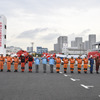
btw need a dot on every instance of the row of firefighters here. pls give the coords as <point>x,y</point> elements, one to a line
<point>51,63</point>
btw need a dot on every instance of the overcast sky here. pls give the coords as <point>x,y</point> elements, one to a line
<point>43,21</point>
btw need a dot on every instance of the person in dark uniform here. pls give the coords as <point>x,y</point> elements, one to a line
<point>97,60</point>
<point>91,64</point>
<point>30,62</point>
<point>23,63</point>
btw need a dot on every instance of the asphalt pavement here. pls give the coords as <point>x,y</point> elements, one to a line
<point>48,86</point>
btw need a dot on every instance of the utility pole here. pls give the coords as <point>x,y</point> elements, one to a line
<point>32,46</point>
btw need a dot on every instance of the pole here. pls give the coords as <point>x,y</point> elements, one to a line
<point>32,46</point>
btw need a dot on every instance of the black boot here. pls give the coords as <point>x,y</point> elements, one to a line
<point>72,72</point>
<point>97,72</point>
<point>64,71</point>
<point>1,70</point>
<point>7,70</point>
<point>85,72</point>
<point>91,72</point>
<point>79,72</point>
<point>57,71</point>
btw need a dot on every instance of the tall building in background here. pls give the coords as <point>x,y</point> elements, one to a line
<point>61,40</point>
<point>56,47</point>
<point>78,41</point>
<point>29,49</point>
<point>92,40</point>
<point>3,28</point>
<point>86,45</point>
<point>41,50</point>
<point>73,43</point>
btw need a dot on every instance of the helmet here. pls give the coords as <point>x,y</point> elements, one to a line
<point>15,55</point>
<point>8,54</point>
<point>44,55</point>
<point>51,55</point>
<point>36,55</point>
<point>30,53</point>
<point>22,54</point>
<point>91,56</point>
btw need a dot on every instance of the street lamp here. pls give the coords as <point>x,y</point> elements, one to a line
<point>32,46</point>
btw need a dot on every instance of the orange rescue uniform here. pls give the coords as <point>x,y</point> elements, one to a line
<point>58,62</point>
<point>72,62</point>
<point>85,64</point>
<point>79,64</point>
<point>2,60</point>
<point>16,62</point>
<point>65,64</point>
<point>9,61</point>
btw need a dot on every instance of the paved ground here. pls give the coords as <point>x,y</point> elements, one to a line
<point>47,86</point>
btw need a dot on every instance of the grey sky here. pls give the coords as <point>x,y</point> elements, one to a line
<point>27,18</point>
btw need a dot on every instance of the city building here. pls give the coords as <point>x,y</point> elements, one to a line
<point>56,47</point>
<point>73,43</point>
<point>86,45</point>
<point>97,44</point>
<point>41,50</point>
<point>92,40</point>
<point>29,49</point>
<point>64,49</point>
<point>78,41</point>
<point>75,51</point>
<point>12,49</point>
<point>3,28</point>
<point>61,40</point>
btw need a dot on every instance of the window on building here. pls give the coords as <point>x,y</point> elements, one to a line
<point>5,27</point>
<point>5,36</point>
<point>5,46</point>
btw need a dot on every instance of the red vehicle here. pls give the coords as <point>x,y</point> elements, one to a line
<point>48,55</point>
<point>94,54</point>
<point>19,53</point>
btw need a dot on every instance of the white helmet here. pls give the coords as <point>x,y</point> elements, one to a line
<point>22,54</point>
<point>15,55</point>
<point>91,56</point>
<point>51,55</point>
<point>44,55</point>
<point>30,53</point>
<point>8,54</point>
<point>36,55</point>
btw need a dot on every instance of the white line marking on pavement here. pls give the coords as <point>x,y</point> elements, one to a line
<point>66,75</point>
<point>86,87</point>
<point>75,79</point>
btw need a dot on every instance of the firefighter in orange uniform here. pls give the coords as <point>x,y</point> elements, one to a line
<point>65,64</point>
<point>72,62</point>
<point>79,64</point>
<point>58,62</point>
<point>85,64</point>
<point>9,61</point>
<point>2,60</point>
<point>23,61</point>
<point>16,62</point>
